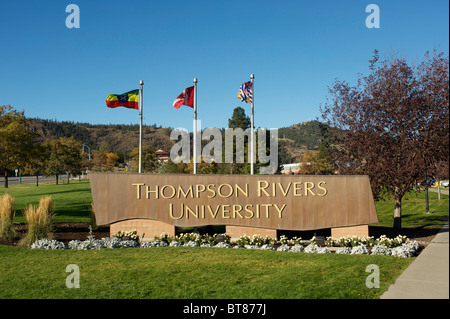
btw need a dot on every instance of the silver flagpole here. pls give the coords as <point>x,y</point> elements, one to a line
<point>252,133</point>
<point>141,91</point>
<point>195,126</point>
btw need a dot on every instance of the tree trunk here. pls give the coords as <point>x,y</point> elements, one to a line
<point>56,179</point>
<point>37,180</point>
<point>398,210</point>
<point>6,178</point>
<point>68,176</point>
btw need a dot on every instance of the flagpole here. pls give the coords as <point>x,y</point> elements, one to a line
<point>252,77</point>
<point>195,126</point>
<point>141,91</point>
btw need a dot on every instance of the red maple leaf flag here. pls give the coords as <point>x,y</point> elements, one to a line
<point>185,98</point>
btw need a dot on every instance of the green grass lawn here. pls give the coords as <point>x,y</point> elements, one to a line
<point>192,273</point>
<point>72,201</point>
<point>413,209</point>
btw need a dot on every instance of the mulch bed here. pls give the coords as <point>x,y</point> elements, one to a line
<point>66,232</point>
<point>63,232</point>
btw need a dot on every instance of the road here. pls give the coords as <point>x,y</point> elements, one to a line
<point>443,190</point>
<point>12,180</point>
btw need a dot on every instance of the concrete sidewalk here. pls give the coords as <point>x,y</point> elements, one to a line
<point>428,275</point>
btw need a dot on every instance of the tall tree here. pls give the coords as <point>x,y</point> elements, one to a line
<point>238,120</point>
<point>150,162</point>
<point>63,156</point>
<point>35,164</point>
<point>104,160</point>
<point>17,141</point>
<point>315,163</point>
<point>393,124</point>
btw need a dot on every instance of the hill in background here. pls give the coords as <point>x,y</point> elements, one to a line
<point>294,140</point>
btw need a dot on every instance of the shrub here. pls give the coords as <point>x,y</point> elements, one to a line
<point>311,248</point>
<point>190,244</point>
<point>283,247</point>
<point>188,237</point>
<point>39,220</point>
<point>406,250</point>
<point>223,245</point>
<point>344,250</point>
<point>7,214</point>
<point>381,250</point>
<point>267,247</point>
<point>359,250</point>
<point>175,243</point>
<point>47,244</point>
<point>297,248</point>
<point>132,234</point>
<point>154,243</point>
<point>323,250</point>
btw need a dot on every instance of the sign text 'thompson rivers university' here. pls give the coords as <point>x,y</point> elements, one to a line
<point>268,201</point>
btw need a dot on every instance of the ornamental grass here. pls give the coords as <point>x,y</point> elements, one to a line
<point>39,220</point>
<point>7,214</point>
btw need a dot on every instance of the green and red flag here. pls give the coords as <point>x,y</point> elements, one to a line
<point>129,100</point>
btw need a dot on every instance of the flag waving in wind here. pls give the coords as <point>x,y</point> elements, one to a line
<point>129,100</point>
<point>185,98</point>
<point>246,92</point>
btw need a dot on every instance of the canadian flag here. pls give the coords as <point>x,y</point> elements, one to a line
<point>185,98</point>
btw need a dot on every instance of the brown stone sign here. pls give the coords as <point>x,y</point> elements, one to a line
<point>287,202</point>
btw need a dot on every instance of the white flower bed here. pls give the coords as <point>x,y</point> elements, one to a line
<point>398,247</point>
<point>47,244</point>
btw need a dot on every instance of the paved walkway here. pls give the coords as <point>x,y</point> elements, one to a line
<point>428,275</point>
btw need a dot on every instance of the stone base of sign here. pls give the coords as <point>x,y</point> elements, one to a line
<point>360,231</point>
<point>237,231</point>
<point>146,228</point>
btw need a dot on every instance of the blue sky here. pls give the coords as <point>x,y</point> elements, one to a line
<point>295,49</point>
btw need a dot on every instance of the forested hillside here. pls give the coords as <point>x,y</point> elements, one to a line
<point>122,138</point>
<point>295,140</point>
<point>119,138</point>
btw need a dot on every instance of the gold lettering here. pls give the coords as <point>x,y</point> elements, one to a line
<point>262,189</point>
<point>325,191</point>
<point>225,211</point>
<point>257,211</point>
<point>203,211</point>
<point>249,211</point>
<point>185,194</point>
<point>297,187</point>
<point>215,212</point>
<point>173,191</point>
<point>219,190</point>
<point>199,189</point>
<point>267,209</point>
<point>285,192</point>
<point>171,212</point>
<point>138,189</point>
<point>211,190</point>
<point>280,210</point>
<point>308,188</point>
<point>238,188</point>
<point>189,210</point>
<point>236,210</point>
<point>156,191</point>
